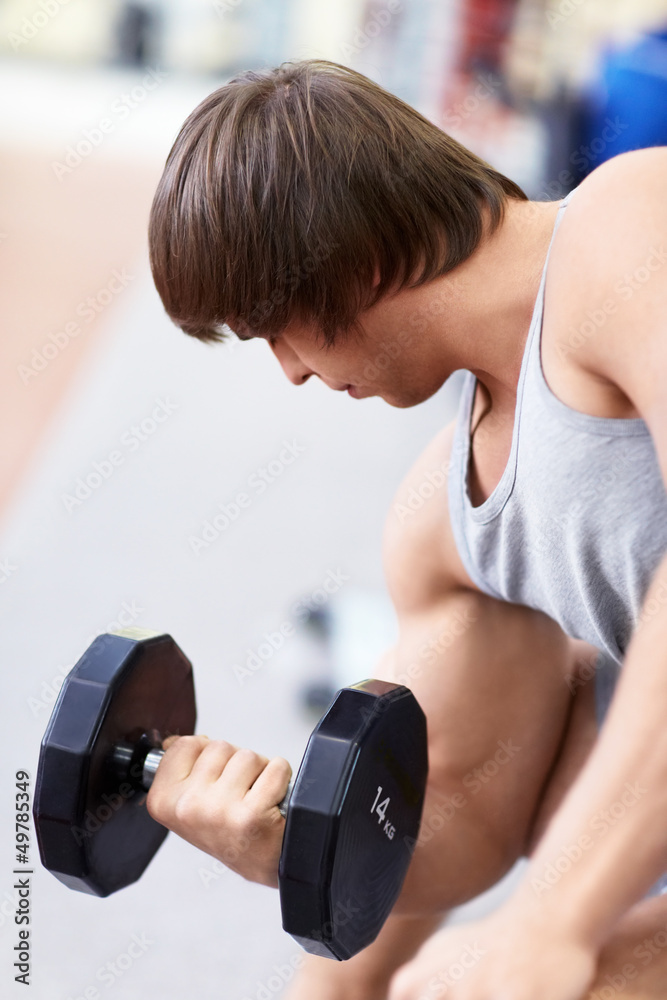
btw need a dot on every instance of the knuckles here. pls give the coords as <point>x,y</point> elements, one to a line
<point>188,810</point>
<point>208,811</point>
<point>283,765</point>
<point>244,821</point>
<point>185,742</point>
<point>194,810</point>
<point>250,757</point>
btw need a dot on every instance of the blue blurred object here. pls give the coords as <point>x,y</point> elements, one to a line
<point>627,108</point>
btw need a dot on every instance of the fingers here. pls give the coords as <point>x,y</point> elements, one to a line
<point>237,773</point>
<point>181,753</point>
<point>241,772</point>
<point>212,761</point>
<point>271,785</point>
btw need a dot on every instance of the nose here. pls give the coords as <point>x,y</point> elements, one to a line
<point>290,362</point>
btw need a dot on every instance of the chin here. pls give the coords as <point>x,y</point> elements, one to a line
<point>409,397</point>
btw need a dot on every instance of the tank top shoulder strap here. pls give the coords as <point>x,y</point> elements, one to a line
<point>536,383</point>
<point>460,507</point>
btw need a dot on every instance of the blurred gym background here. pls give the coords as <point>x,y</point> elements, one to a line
<point>92,93</point>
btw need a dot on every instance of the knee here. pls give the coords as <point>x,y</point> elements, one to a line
<point>633,962</point>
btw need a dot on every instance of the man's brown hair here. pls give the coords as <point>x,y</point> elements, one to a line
<point>306,193</point>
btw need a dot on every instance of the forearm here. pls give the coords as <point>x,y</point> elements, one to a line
<point>607,844</point>
<point>367,975</point>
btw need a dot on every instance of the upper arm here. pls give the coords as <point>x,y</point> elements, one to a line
<point>434,596</point>
<point>609,283</point>
<point>421,561</point>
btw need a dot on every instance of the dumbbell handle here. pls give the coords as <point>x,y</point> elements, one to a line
<point>123,755</point>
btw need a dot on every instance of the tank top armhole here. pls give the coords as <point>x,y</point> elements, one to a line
<point>457,483</point>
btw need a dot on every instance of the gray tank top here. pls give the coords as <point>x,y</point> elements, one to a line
<point>578,522</point>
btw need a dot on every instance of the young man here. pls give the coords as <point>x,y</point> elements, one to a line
<point>309,207</point>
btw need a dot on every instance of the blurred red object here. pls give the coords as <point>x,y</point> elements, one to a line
<point>484,31</point>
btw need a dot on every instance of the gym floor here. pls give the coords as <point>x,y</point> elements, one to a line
<point>86,543</point>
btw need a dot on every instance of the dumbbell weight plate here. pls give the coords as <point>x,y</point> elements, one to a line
<point>353,819</point>
<point>94,831</point>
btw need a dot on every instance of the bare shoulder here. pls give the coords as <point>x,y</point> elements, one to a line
<point>421,559</point>
<point>630,180</point>
<point>616,216</point>
<point>605,257</point>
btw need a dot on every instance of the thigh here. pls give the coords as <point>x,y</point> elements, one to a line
<point>492,679</point>
<point>579,737</point>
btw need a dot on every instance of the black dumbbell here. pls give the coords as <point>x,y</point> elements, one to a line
<point>352,814</point>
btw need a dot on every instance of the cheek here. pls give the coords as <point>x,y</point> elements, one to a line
<point>381,367</point>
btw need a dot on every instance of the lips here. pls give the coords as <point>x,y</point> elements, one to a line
<point>345,388</point>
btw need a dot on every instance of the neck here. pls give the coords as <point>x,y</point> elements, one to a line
<point>493,296</point>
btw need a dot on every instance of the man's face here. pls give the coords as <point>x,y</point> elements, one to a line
<point>393,355</point>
